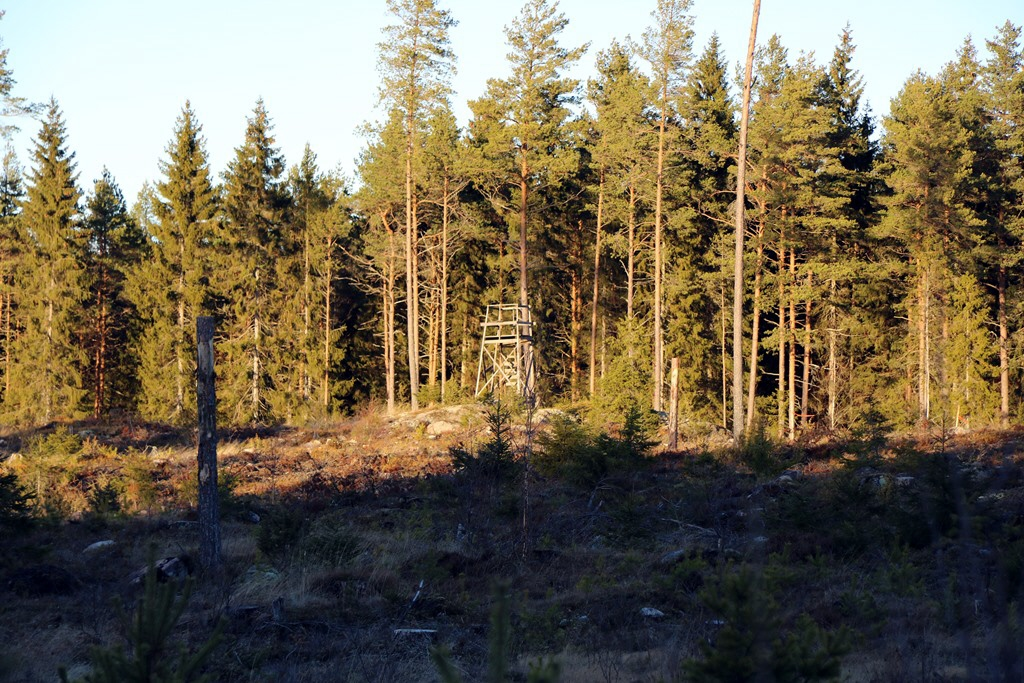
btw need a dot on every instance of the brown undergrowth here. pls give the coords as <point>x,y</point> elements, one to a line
<point>352,548</point>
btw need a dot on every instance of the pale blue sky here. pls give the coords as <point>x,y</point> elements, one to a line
<point>122,69</point>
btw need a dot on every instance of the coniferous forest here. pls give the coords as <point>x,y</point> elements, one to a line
<point>367,517</point>
<point>882,253</point>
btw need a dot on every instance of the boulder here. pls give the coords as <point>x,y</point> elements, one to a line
<point>176,568</point>
<point>441,427</point>
<point>651,613</point>
<point>98,546</point>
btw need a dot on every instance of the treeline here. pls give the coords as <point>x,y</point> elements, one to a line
<point>882,271</point>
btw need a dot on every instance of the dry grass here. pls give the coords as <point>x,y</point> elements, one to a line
<point>377,534</point>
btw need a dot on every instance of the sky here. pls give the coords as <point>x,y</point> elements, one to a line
<point>121,70</point>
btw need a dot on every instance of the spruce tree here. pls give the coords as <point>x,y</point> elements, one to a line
<point>694,276</point>
<point>12,242</point>
<point>256,240</point>
<point>115,245</point>
<point>47,364</point>
<point>171,288</point>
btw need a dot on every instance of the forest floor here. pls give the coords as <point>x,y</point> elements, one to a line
<point>351,550</point>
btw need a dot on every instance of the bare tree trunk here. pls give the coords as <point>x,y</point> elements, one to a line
<point>1004,354</point>
<point>329,263</point>
<point>524,299</point>
<point>781,389</point>
<point>209,511</point>
<point>464,361</point>
<point>631,253</point>
<point>833,361</point>
<point>444,290</point>
<point>755,333</point>
<point>389,318</point>
<point>657,370</point>
<point>923,388</point>
<point>738,425</point>
<point>725,366</point>
<point>806,380</point>
<point>179,347</point>
<point>792,344</point>
<point>597,273</point>
<point>7,343</point>
<point>256,367</point>
<point>412,323</point>
<point>673,406</point>
<point>307,297</point>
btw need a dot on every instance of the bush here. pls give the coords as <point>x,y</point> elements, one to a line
<point>495,460</point>
<point>149,659</point>
<point>329,541</point>
<point>15,513</point>
<point>751,643</point>
<point>574,452</point>
<point>279,529</point>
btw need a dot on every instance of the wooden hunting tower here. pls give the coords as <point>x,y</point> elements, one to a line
<point>506,350</point>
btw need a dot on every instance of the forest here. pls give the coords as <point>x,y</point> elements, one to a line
<point>881,255</point>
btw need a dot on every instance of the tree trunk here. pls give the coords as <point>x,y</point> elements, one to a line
<point>179,347</point>
<point>792,344</point>
<point>329,264</point>
<point>780,393</point>
<point>597,272</point>
<point>738,425</point>
<point>389,317</point>
<point>673,406</point>
<point>206,403</point>
<point>725,366</point>
<point>806,380</point>
<point>922,343</point>
<point>658,371</point>
<point>307,296</point>
<point>755,333</point>
<point>524,300</point>
<point>833,361</point>
<point>631,254</point>
<point>412,323</point>
<point>1004,354</point>
<point>444,290</point>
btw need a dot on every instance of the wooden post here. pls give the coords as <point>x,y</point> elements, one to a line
<point>673,407</point>
<point>209,513</point>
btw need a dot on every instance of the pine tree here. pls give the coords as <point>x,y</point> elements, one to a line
<point>1004,88</point>
<point>171,288</point>
<point>417,64</point>
<point>932,209</point>
<point>667,48</point>
<point>10,105</point>
<point>445,177</point>
<point>46,380</point>
<point>256,241</point>
<point>115,244</point>
<point>521,126</point>
<point>380,201</point>
<point>619,154</point>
